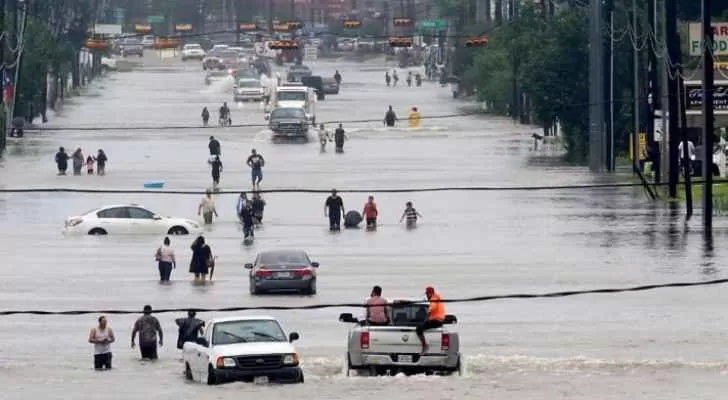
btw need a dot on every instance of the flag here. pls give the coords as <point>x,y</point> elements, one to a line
<point>8,87</point>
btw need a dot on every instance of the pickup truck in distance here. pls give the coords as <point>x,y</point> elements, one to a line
<point>394,348</point>
<point>248,348</point>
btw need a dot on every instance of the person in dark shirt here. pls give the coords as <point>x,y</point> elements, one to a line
<point>337,77</point>
<point>190,329</point>
<point>339,137</point>
<point>248,221</point>
<point>334,209</point>
<point>62,161</point>
<point>147,326</point>
<point>390,117</point>
<point>258,207</point>
<point>256,163</point>
<point>214,146</point>
<point>216,164</point>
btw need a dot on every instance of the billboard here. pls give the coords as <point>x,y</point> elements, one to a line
<point>107,29</point>
<point>720,38</point>
<point>694,96</point>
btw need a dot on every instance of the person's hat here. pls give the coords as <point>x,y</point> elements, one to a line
<point>429,289</point>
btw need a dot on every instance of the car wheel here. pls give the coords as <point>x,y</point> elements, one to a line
<point>177,230</point>
<point>211,377</point>
<point>97,231</point>
<point>311,290</point>
<point>253,290</point>
<point>188,372</point>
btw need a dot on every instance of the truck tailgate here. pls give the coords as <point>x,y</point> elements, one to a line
<point>402,340</point>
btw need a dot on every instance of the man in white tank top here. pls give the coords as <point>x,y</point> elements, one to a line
<point>102,336</point>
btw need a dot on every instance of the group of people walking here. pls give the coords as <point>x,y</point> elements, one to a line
<point>202,263</point>
<point>390,118</point>
<point>334,210</point>
<point>93,164</point>
<point>393,79</point>
<point>255,161</point>
<point>148,330</point>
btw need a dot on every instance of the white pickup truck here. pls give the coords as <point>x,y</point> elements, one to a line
<point>380,350</point>
<point>249,349</point>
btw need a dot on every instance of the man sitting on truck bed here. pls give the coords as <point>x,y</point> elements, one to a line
<point>435,316</point>
<point>377,308</point>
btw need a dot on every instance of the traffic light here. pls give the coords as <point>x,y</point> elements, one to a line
<point>248,27</point>
<point>283,45</point>
<point>478,41</point>
<point>161,43</point>
<point>400,41</point>
<point>402,22</point>
<point>352,24</point>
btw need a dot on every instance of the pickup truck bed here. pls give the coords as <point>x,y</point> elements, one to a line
<point>390,349</point>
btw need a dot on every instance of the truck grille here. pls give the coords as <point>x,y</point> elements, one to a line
<point>289,129</point>
<point>267,361</point>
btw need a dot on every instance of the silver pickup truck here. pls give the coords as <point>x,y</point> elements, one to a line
<point>381,350</point>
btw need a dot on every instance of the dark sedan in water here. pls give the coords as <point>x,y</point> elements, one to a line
<point>330,86</point>
<point>283,270</point>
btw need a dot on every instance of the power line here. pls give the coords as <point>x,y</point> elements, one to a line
<point>359,305</point>
<point>393,190</point>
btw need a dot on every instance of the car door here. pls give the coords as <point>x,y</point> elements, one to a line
<point>114,220</point>
<point>142,221</point>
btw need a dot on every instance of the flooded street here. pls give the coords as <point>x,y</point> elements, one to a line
<point>612,346</point>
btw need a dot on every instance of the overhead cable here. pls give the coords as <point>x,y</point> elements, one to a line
<point>369,190</point>
<point>550,295</point>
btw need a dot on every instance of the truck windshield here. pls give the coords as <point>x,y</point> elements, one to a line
<point>291,96</point>
<point>247,331</point>
<point>288,113</point>
<point>408,314</point>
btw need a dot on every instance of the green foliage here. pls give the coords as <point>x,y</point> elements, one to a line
<point>42,51</point>
<point>546,61</point>
<point>449,8</point>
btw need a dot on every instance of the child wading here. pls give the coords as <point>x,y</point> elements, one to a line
<point>411,215</point>
<point>90,160</point>
<point>370,213</point>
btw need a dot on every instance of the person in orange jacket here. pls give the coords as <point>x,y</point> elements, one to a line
<point>370,213</point>
<point>435,316</point>
<point>414,118</point>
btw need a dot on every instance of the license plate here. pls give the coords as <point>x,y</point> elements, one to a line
<point>260,380</point>
<point>404,359</point>
<point>283,275</point>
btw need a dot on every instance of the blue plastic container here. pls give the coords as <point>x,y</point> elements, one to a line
<point>154,185</point>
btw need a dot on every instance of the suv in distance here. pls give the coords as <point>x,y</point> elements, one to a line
<point>248,89</point>
<point>131,47</point>
<point>288,123</point>
<point>394,348</point>
<point>192,51</point>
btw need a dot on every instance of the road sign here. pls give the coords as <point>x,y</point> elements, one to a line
<point>433,24</point>
<point>154,19</point>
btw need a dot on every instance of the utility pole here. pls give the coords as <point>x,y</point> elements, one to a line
<point>707,120</point>
<point>3,132</point>
<point>636,61</point>
<point>609,81</point>
<point>673,56</point>
<point>597,129</point>
<point>269,12</point>
<point>654,101</point>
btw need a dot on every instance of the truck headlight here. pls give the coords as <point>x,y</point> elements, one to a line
<point>290,359</point>
<point>225,362</point>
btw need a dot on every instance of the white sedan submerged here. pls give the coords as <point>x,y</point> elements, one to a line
<point>127,219</point>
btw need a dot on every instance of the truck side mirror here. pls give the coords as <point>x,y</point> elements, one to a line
<point>293,336</point>
<point>348,318</point>
<point>450,319</point>
<point>202,342</point>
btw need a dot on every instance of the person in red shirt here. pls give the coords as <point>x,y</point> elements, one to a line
<point>370,213</point>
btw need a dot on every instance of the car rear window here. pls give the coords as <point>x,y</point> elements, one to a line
<point>283,258</point>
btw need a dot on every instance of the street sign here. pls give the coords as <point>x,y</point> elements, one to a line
<point>433,24</point>
<point>155,19</point>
